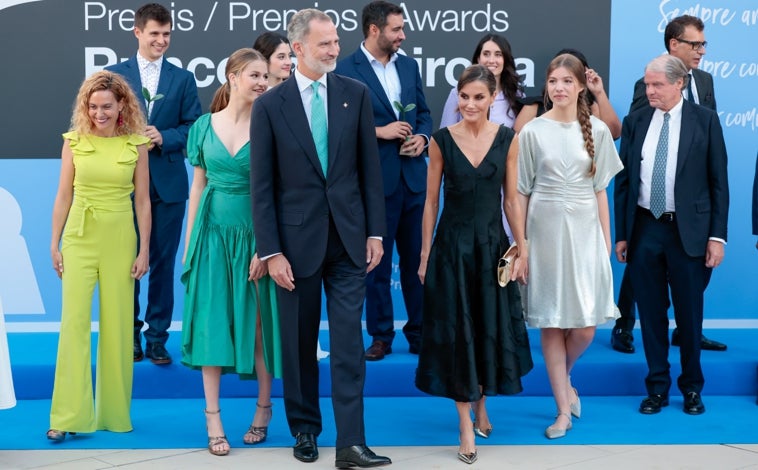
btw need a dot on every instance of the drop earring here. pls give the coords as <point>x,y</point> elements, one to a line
<point>120,119</point>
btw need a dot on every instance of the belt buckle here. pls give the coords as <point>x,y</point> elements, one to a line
<point>667,217</point>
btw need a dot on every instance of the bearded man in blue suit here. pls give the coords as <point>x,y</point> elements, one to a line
<point>169,120</point>
<point>402,137</point>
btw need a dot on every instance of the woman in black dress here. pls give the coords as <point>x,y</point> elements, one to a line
<point>474,339</point>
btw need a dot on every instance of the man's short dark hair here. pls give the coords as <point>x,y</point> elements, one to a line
<point>376,13</point>
<point>152,11</point>
<point>675,29</point>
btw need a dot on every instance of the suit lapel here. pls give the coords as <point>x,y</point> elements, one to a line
<point>132,75</point>
<point>164,87</point>
<point>337,104</point>
<point>686,133</point>
<point>366,71</point>
<point>293,113</point>
<point>642,127</point>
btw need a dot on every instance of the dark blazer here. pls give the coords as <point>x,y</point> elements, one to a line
<point>703,83</point>
<point>412,169</point>
<point>172,115</point>
<point>292,201</point>
<point>702,191</point>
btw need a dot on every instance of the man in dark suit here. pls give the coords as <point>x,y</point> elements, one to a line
<point>672,202</point>
<point>318,213</point>
<point>401,137</point>
<point>173,108</point>
<point>684,38</point>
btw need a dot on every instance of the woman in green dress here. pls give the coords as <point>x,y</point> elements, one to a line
<point>230,323</point>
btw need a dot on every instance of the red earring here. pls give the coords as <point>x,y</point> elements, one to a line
<point>120,120</point>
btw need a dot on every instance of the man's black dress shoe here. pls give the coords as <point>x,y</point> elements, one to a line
<point>622,341</point>
<point>653,404</point>
<point>693,404</point>
<point>305,449</point>
<point>359,456</point>
<point>705,343</point>
<point>157,354</point>
<point>138,354</point>
<point>378,350</point>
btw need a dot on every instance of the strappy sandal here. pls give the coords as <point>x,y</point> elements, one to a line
<point>214,441</point>
<point>57,436</point>
<point>257,434</point>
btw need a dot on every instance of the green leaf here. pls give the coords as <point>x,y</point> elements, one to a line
<point>145,94</point>
<point>159,96</point>
<point>409,107</point>
<point>398,106</point>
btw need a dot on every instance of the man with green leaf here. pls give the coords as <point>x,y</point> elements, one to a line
<point>171,106</point>
<point>404,124</point>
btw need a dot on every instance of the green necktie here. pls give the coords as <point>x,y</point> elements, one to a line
<point>318,127</point>
<point>658,180</point>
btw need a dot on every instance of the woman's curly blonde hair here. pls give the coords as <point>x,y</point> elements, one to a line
<point>132,118</point>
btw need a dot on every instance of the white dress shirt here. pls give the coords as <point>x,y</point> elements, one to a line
<point>388,78</point>
<point>648,156</point>
<point>149,75</point>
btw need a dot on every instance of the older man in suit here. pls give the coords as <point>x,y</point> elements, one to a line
<point>402,137</point>
<point>684,38</point>
<point>171,111</point>
<point>318,211</point>
<point>672,201</point>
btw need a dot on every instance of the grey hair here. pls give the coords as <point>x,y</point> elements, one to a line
<point>672,67</point>
<point>299,26</point>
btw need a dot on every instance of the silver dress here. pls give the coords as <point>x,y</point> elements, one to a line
<point>570,283</point>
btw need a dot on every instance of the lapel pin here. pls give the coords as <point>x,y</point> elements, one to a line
<point>344,105</point>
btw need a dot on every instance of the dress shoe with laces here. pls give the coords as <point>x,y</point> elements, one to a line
<point>138,354</point>
<point>359,456</point>
<point>622,341</point>
<point>378,350</point>
<point>693,404</point>
<point>705,343</point>
<point>653,404</point>
<point>157,354</point>
<point>306,449</point>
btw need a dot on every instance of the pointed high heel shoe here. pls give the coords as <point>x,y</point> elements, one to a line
<point>485,433</point>
<point>258,434</point>
<point>554,432</point>
<point>468,458</point>
<point>214,441</point>
<point>576,407</point>
<point>58,436</point>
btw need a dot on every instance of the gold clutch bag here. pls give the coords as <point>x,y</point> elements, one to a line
<point>505,265</point>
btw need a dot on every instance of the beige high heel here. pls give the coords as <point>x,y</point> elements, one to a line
<point>214,441</point>
<point>576,407</point>
<point>554,432</point>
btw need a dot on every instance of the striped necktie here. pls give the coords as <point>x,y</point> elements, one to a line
<point>658,181</point>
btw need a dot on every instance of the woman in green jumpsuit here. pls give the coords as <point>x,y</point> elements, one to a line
<point>103,162</point>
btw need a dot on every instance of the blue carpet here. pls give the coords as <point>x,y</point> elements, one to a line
<point>520,420</point>
<point>600,372</point>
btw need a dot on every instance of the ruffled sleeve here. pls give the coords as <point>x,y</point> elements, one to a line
<point>130,152</point>
<point>195,140</point>
<point>607,161</point>
<point>526,159</point>
<point>80,145</point>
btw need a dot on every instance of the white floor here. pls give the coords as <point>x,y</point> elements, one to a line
<point>722,457</point>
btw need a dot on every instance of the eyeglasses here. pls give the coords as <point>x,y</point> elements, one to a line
<point>696,45</point>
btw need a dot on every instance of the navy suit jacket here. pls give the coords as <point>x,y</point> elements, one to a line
<point>394,166</point>
<point>292,200</point>
<point>703,83</point>
<point>172,115</point>
<point>701,189</point>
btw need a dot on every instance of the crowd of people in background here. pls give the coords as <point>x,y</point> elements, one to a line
<point>309,177</point>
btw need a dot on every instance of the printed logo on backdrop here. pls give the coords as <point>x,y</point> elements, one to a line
<point>19,290</point>
<point>441,36</point>
<point>12,3</point>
